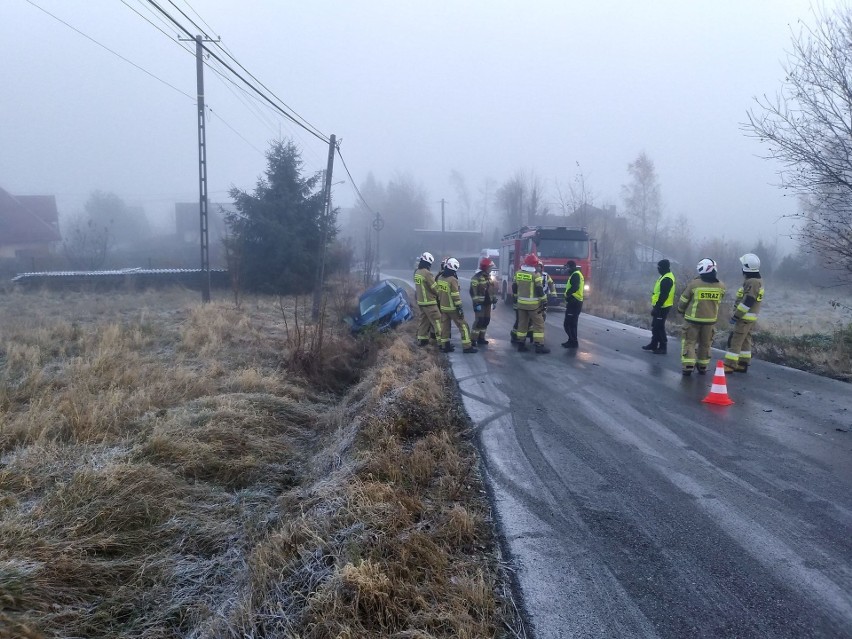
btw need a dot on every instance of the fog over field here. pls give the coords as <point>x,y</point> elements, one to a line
<point>550,89</point>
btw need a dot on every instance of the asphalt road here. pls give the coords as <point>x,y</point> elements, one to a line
<point>631,509</point>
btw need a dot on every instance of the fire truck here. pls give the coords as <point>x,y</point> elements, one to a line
<point>554,246</point>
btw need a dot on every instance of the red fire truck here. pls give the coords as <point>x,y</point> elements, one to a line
<point>554,246</point>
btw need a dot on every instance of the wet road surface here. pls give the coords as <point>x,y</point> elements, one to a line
<point>631,509</point>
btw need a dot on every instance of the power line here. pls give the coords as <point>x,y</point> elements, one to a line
<point>199,16</point>
<point>103,46</point>
<point>231,69</point>
<point>352,180</point>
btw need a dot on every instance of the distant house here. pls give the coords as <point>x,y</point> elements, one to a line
<point>188,221</point>
<point>29,225</point>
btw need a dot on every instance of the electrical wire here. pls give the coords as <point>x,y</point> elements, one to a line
<point>199,15</point>
<point>103,46</point>
<point>237,133</point>
<point>231,69</point>
<point>352,180</point>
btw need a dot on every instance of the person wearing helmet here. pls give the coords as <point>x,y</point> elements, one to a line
<point>662,299</point>
<point>573,303</point>
<point>747,306</point>
<point>450,302</point>
<point>529,288</point>
<point>547,283</point>
<point>483,292</point>
<point>427,300</point>
<point>699,305</point>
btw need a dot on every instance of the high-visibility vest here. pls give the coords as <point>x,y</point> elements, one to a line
<point>578,294</point>
<point>656,296</point>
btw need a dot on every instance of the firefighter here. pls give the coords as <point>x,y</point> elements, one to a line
<point>749,298</point>
<point>427,299</point>
<point>573,303</point>
<point>699,305</point>
<point>529,289</point>
<point>450,302</point>
<point>483,292</point>
<point>662,299</point>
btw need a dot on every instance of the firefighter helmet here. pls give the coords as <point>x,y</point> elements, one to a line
<point>531,260</point>
<point>706,266</point>
<point>485,264</point>
<point>750,262</point>
<point>427,257</point>
<point>452,264</point>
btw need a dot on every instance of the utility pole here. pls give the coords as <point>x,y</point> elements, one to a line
<point>318,288</point>
<point>443,241</point>
<point>378,225</point>
<point>202,168</point>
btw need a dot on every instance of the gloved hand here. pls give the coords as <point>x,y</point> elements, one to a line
<point>478,308</point>
<point>732,321</point>
<point>460,311</point>
<point>654,311</point>
<point>493,306</point>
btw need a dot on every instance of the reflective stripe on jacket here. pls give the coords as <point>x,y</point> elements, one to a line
<point>669,301</point>
<point>529,290</point>
<point>448,294</point>
<point>752,289</point>
<point>580,281</point>
<point>699,302</point>
<point>424,287</point>
<point>482,288</point>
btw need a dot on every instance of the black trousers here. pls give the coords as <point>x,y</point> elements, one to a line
<point>573,307</point>
<point>658,329</point>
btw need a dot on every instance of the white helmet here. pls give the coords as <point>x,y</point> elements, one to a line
<point>427,257</point>
<point>453,264</point>
<point>706,266</point>
<point>750,262</point>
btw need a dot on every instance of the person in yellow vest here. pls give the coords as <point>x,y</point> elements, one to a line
<point>427,300</point>
<point>749,298</point>
<point>699,305</point>
<point>483,292</point>
<point>449,299</point>
<point>662,299</point>
<point>573,303</point>
<point>528,287</point>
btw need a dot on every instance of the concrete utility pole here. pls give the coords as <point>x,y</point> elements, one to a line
<point>202,168</point>
<point>318,288</point>
<point>443,241</point>
<point>378,225</point>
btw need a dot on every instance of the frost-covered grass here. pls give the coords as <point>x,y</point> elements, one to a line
<point>171,469</point>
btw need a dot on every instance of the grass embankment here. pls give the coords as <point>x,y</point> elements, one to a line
<point>175,470</point>
<point>802,330</point>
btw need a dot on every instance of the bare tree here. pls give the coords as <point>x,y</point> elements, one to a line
<point>577,199</point>
<point>464,221</point>
<point>86,243</point>
<point>642,198</point>
<point>807,126</point>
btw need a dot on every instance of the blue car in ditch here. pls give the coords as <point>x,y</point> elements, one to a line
<point>381,307</point>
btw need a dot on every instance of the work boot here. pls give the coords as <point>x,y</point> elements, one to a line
<point>687,371</point>
<point>702,370</point>
<point>541,349</point>
<point>522,347</point>
<point>742,367</point>
<point>729,369</point>
<point>573,344</point>
<point>470,349</point>
<point>566,344</point>
<point>649,347</point>
<point>481,341</point>
<point>423,342</point>
<point>660,350</point>
<point>514,338</point>
<point>448,348</point>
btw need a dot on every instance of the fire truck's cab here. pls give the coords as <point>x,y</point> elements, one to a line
<point>554,246</point>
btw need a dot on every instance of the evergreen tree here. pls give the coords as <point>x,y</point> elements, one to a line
<point>276,232</point>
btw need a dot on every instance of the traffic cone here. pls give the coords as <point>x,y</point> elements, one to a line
<point>719,390</point>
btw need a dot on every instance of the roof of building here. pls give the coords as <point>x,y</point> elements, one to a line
<point>28,219</point>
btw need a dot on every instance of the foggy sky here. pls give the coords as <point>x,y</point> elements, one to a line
<point>484,87</point>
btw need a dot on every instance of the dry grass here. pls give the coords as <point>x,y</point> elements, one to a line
<point>169,469</point>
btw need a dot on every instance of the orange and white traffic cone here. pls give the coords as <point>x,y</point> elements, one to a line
<point>719,390</point>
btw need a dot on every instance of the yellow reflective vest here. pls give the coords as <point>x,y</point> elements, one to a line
<point>578,294</point>
<point>669,301</point>
<point>528,288</point>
